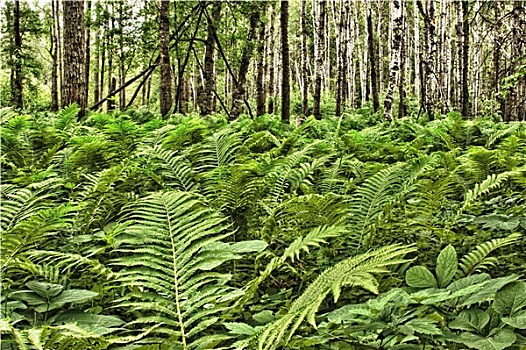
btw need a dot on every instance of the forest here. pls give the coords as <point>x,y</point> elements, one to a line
<point>263,175</point>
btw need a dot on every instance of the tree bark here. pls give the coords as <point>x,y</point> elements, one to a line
<point>54,60</point>
<point>318,53</point>
<point>403,54</point>
<point>465,60</point>
<point>74,87</point>
<point>304,60</point>
<point>285,61</point>
<point>372,60</point>
<point>247,51</point>
<point>16,73</point>
<point>88,53</point>
<point>260,74</point>
<point>96,69</point>
<point>394,60</point>
<point>272,68</point>
<point>165,88</point>
<point>209,77</point>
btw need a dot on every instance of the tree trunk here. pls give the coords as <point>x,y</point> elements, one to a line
<point>416,53</point>
<point>403,54</point>
<point>340,44</point>
<point>247,51</point>
<point>304,60</point>
<point>88,53</point>
<point>465,60</point>
<point>394,64</point>
<point>110,48</point>
<point>272,68</point>
<point>165,88</point>
<point>74,87</point>
<point>285,62</point>
<point>260,74</point>
<point>54,60</point>
<point>209,77</point>
<point>515,99</point>
<point>372,60</point>
<point>96,69</point>
<point>16,73</point>
<point>318,54</point>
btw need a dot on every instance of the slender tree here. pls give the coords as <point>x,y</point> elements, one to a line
<point>260,74</point>
<point>304,60</point>
<point>394,60</point>
<point>74,86</point>
<point>285,62</point>
<point>238,97</point>
<point>318,57</point>
<point>373,60</point>
<point>209,77</point>
<point>16,72</point>
<point>165,88</point>
<point>54,59</point>
<point>465,60</point>
<point>88,52</point>
<point>272,69</point>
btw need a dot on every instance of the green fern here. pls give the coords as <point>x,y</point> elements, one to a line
<point>167,257</point>
<point>478,258</point>
<point>491,183</point>
<point>356,271</point>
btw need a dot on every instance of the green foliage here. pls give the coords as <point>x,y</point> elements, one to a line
<point>128,231</point>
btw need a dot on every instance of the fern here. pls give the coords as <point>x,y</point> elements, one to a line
<point>356,271</point>
<point>492,183</point>
<point>219,149</point>
<point>167,255</point>
<point>478,258</point>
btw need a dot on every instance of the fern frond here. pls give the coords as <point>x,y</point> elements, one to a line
<point>172,167</point>
<point>478,258</point>
<point>491,183</point>
<point>218,149</point>
<point>355,271</point>
<point>495,136</point>
<point>168,253</point>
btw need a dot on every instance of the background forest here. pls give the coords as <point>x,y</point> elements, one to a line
<point>263,175</point>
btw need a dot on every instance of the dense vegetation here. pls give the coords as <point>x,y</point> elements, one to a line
<point>130,231</point>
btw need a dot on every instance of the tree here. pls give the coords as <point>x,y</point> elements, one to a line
<point>74,86</point>
<point>373,61</point>
<point>285,62</point>
<point>304,60</point>
<point>318,59</point>
<point>238,97</point>
<point>165,88</point>
<point>209,78</point>
<point>394,60</point>
<point>16,72</point>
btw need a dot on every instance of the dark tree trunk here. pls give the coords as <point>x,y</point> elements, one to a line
<point>16,73</point>
<point>271,72</point>
<point>285,61</point>
<point>319,53</point>
<point>74,87</point>
<point>260,76</point>
<point>373,62</point>
<point>304,61</point>
<point>207,106</point>
<point>403,53</point>
<point>238,97</point>
<point>96,69</point>
<point>165,88</point>
<point>88,53</point>
<point>465,60</point>
<point>110,48</point>
<point>54,60</point>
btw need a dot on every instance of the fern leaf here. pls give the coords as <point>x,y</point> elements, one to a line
<point>355,271</point>
<point>168,252</point>
<point>478,258</point>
